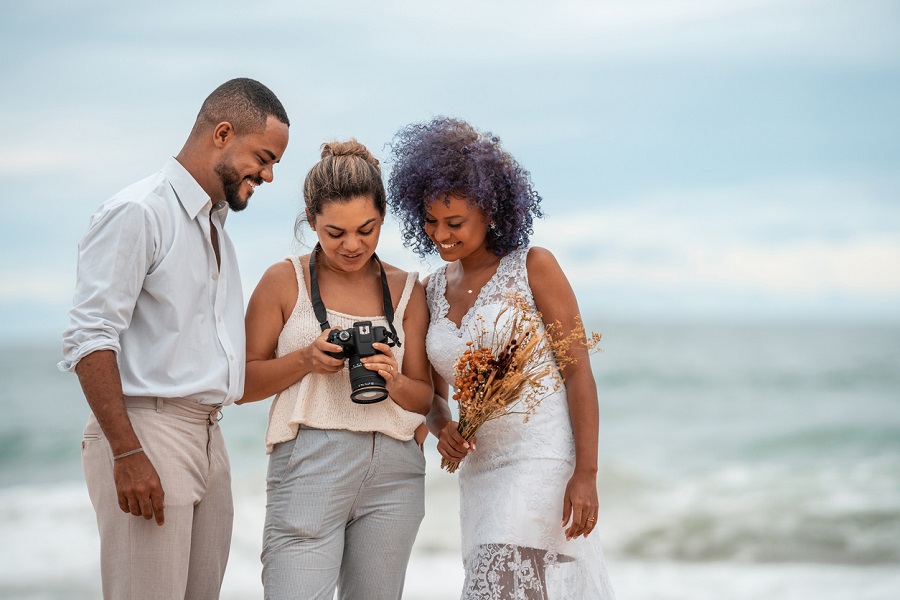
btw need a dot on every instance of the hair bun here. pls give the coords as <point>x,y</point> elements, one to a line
<point>349,148</point>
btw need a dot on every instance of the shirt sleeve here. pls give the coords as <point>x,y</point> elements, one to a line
<point>113,259</point>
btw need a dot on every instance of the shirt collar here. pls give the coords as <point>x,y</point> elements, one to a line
<point>192,197</point>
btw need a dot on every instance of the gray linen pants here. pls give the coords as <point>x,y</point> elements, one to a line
<point>184,558</point>
<point>343,511</point>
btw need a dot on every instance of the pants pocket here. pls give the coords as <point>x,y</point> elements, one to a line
<point>88,439</point>
<point>416,454</point>
<point>278,463</point>
<point>92,433</point>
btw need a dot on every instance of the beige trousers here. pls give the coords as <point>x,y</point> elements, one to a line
<point>185,558</point>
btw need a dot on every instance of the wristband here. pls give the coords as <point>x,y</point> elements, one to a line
<point>129,453</point>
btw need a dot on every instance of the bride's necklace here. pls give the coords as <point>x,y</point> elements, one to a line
<point>480,271</point>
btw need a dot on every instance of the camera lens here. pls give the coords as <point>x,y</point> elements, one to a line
<point>369,395</point>
<point>366,387</point>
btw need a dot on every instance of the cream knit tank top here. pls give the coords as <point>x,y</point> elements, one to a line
<point>323,401</point>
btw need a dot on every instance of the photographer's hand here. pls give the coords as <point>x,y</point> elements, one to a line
<point>408,392</point>
<point>316,361</point>
<point>385,363</point>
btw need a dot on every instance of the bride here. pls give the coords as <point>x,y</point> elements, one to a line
<point>528,491</point>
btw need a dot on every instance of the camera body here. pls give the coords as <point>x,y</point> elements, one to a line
<point>358,339</point>
<point>366,387</point>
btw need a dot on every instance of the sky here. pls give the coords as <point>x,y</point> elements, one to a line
<point>697,159</point>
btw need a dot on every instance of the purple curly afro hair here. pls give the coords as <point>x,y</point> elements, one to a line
<point>448,156</point>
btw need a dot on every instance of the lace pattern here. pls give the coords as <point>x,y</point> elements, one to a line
<point>512,486</point>
<point>500,571</point>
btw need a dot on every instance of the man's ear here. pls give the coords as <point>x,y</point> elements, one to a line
<point>222,134</point>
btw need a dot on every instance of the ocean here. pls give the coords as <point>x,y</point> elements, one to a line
<point>737,461</point>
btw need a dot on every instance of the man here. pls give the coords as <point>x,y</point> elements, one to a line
<point>156,337</point>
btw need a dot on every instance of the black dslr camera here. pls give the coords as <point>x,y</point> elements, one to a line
<point>366,387</point>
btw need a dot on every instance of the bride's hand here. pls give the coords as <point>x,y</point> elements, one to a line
<point>452,445</point>
<point>580,506</point>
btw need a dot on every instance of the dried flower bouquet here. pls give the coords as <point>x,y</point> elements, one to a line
<point>511,367</point>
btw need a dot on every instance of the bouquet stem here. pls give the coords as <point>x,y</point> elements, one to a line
<point>467,433</point>
<point>449,465</point>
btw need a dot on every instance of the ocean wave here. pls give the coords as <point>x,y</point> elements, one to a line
<point>722,524</point>
<point>760,515</point>
<point>868,377</point>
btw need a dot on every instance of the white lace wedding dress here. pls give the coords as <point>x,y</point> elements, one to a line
<point>512,486</point>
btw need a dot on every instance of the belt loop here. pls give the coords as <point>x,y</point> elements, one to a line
<point>160,405</point>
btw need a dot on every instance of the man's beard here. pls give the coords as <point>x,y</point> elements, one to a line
<point>231,185</point>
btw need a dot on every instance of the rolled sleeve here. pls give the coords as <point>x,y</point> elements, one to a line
<point>113,259</point>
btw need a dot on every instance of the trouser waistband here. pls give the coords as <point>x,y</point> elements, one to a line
<point>179,406</point>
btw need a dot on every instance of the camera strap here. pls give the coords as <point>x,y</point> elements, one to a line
<point>319,306</point>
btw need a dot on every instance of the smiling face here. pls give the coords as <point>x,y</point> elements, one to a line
<point>456,227</point>
<point>348,232</point>
<point>248,160</point>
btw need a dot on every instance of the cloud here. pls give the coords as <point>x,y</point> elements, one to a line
<point>80,148</point>
<point>864,267</point>
<point>630,116</point>
<point>801,238</point>
<point>825,32</point>
<point>822,32</point>
<point>44,287</point>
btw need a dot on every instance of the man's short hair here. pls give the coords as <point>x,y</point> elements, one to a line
<point>243,102</point>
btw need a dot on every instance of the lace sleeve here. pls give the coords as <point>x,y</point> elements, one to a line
<point>434,294</point>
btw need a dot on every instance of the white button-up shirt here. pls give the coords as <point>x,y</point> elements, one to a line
<point>148,288</point>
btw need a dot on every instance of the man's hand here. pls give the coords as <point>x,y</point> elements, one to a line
<point>138,487</point>
<point>137,483</point>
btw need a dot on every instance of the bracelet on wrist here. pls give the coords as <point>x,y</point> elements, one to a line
<point>129,453</point>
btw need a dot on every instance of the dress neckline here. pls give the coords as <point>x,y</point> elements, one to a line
<point>442,291</point>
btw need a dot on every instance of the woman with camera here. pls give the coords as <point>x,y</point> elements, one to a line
<point>339,338</point>
<point>528,490</point>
